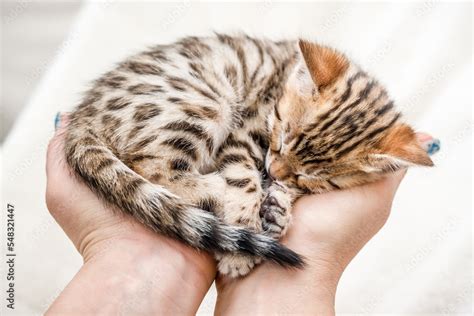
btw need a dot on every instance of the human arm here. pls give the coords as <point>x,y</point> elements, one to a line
<point>328,230</point>
<point>127,268</point>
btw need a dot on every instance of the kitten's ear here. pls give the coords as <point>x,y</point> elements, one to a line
<point>325,64</point>
<point>400,148</point>
<point>300,80</point>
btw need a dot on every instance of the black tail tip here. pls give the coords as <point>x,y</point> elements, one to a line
<point>293,260</point>
<point>285,257</point>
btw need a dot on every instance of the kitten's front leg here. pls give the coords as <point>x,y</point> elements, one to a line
<point>276,210</point>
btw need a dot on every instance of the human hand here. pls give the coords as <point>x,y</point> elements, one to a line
<point>329,230</point>
<point>121,256</point>
<point>129,268</point>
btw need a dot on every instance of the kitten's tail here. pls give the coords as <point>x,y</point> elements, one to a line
<point>159,209</point>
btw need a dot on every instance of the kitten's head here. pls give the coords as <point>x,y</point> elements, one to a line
<point>335,126</point>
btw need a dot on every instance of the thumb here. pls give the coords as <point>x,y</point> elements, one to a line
<point>389,185</point>
<point>54,153</point>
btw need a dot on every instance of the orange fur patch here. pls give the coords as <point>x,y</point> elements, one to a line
<point>401,142</point>
<point>324,63</point>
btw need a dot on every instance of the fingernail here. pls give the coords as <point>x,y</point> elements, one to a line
<point>57,120</point>
<point>433,146</point>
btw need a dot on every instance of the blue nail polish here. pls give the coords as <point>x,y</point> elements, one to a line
<point>57,119</point>
<point>433,147</point>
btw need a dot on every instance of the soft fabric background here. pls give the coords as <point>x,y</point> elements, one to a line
<point>421,261</point>
<point>30,37</point>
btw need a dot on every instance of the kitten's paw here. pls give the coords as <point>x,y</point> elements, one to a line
<point>275,214</point>
<point>236,265</point>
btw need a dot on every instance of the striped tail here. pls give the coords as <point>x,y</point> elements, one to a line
<point>162,211</point>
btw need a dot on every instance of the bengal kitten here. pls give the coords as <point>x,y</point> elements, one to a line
<point>181,137</point>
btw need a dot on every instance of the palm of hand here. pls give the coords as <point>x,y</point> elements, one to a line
<point>94,227</point>
<point>339,223</point>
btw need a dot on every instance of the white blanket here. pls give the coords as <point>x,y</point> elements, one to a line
<point>420,262</point>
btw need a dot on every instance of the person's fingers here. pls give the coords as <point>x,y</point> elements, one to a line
<point>430,144</point>
<point>54,153</point>
<point>58,176</point>
<point>391,183</point>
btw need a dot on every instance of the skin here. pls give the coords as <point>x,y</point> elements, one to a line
<point>127,268</point>
<point>132,270</point>
<point>328,230</point>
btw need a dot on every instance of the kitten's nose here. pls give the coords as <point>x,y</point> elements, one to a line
<point>278,170</point>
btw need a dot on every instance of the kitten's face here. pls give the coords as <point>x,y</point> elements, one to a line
<point>335,127</point>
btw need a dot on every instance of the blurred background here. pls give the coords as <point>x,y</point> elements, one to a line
<point>419,263</point>
<point>31,34</point>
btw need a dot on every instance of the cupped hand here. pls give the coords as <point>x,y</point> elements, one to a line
<point>328,230</point>
<point>334,226</point>
<point>120,255</point>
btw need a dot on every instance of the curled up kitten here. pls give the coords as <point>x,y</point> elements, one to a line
<point>182,137</point>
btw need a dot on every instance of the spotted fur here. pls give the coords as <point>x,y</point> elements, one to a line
<point>181,137</point>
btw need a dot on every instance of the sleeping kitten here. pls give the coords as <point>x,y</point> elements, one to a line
<point>182,136</point>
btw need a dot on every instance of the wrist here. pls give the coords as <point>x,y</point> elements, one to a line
<point>140,272</point>
<point>146,251</point>
<point>126,238</point>
<point>270,290</point>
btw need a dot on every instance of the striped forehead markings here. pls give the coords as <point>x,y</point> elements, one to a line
<point>362,96</point>
<point>354,129</point>
<point>368,136</point>
<point>344,97</point>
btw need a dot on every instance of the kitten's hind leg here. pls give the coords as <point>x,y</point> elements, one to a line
<point>238,165</point>
<point>181,178</point>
